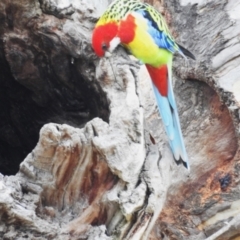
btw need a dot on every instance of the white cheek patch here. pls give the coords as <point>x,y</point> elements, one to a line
<point>113,44</point>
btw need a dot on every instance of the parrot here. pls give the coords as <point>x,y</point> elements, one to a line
<point>143,32</point>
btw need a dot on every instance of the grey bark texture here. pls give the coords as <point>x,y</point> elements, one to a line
<point>101,167</point>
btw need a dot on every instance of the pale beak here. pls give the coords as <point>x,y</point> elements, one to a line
<point>108,54</point>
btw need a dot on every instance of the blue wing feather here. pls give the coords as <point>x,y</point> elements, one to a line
<point>160,37</point>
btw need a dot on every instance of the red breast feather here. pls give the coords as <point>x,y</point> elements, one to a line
<point>127,29</point>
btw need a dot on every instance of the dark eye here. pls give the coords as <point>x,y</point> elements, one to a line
<point>104,47</point>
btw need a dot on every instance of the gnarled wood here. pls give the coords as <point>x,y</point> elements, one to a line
<point>102,168</point>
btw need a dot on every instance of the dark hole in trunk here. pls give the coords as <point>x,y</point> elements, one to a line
<point>55,91</point>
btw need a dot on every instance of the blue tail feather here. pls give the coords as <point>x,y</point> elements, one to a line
<point>168,110</point>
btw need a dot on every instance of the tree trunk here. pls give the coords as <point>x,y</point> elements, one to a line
<point>102,167</point>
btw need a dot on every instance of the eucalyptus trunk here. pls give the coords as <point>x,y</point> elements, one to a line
<point>93,155</point>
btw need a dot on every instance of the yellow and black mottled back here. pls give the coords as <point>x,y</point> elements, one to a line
<point>118,9</point>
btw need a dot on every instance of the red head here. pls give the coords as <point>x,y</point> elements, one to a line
<point>102,36</point>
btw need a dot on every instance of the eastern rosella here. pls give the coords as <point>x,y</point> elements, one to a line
<point>143,31</point>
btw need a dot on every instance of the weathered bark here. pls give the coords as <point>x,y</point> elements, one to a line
<point>103,169</point>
